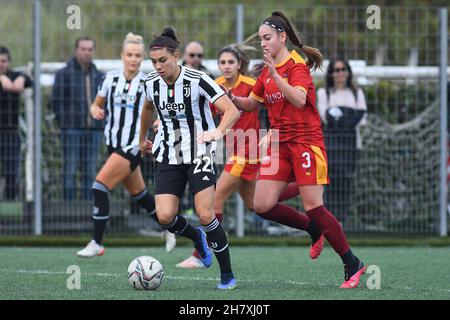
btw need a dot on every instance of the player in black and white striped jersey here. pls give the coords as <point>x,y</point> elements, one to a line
<point>123,93</point>
<point>185,113</point>
<point>184,147</point>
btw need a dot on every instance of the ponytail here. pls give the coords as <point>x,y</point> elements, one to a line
<point>281,23</point>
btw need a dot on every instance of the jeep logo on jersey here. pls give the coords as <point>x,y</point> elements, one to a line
<point>173,106</point>
<point>125,96</point>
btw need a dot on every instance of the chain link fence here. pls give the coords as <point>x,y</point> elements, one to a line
<point>387,185</point>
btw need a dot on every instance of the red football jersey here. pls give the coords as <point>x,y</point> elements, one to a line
<point>294,124</point>
<point>247,121</point>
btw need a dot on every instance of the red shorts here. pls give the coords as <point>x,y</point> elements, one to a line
<point>305,164</point>
<point>244,171</point>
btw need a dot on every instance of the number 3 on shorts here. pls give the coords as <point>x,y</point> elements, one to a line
<point>207,167</point>
<point>307,157</point>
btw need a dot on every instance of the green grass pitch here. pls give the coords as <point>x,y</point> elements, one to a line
<point>264,273</point>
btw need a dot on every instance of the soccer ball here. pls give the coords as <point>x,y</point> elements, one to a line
<point>145,273</point>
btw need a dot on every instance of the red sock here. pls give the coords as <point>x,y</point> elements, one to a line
<point>286,215</point>
<point>330,228</point>
<point>290,192</point>
<point>219,217</point>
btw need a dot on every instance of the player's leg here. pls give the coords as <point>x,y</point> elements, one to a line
<point>272,182</point>
<point>290,192</point>
<point>115,170</point>
<point>202,179</point>
<point>312,197</point>
<point>170,183</point>
<point>226,185</point>
<point>247,193</point>
<point>217,239</point>
<point>267,193</point>
<point>135,185</point>
<point>310,166</point>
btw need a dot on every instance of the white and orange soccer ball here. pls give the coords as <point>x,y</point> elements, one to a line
<point>145,273</point>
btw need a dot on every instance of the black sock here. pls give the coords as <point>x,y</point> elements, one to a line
<point>99,230</point>
<point>350,260</point>
<point>146,201</point>
<point>100,213</point>
<point>217,240</point>
<point>180,226</point>
<point>313,231</point>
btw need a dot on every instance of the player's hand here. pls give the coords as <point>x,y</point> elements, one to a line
<point>268,61</point>
<point>227,92</point>
<point>145,147</point>
<point>208,136</point>
<point>155,125</point>
<point>96,112</point>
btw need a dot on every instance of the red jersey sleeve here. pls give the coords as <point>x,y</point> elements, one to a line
<point>300,77</point>
<point>258,90</point>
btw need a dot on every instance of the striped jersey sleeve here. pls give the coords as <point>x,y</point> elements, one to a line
<point>209,89</point>
<point>103,86</point>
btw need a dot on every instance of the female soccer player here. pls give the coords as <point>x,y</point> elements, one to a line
<point>241,169</point>
<point>285,86</point>
<point>184,147</point>
<point>123,90</point>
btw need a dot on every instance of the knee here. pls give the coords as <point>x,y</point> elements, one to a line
<point>205,215</point>
<point>165,216</point>
<point>164,219</point>
<point>261,206</point>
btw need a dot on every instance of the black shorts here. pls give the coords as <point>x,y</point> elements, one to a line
<point>172,179</point>
<point>130,153</point>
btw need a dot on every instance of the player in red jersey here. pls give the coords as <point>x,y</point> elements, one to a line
<point>241,170</point>
<point>285,87</point>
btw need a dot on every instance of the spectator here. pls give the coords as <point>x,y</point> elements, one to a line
<point>73,92</point>
<point>342,109</point>
<point>192,57</point>
<point>12,83</point>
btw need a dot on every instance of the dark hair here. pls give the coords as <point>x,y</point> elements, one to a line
<point>329,84</point>
<point>85,38</point>
<point>5,50</point>
<point>281,23</point>
<point>238,51</point>
<point>167,39</point>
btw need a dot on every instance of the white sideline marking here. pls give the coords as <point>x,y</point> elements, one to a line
<point>118,275</point>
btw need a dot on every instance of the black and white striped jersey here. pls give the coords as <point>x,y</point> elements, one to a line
<point>124,101</point>
<point>184,111</point>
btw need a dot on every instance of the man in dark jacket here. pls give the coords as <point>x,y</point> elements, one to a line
<point>73,92</point>
<point>12,84</point>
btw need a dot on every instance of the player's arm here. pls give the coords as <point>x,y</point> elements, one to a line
<point>242,103</point>
<point>246,104</point>
<point>295,95</point>
<point>96,108</point>
<point>148,111</point>
<point>230,114</point>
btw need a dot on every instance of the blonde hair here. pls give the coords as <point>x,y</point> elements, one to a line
<point>134,39</point>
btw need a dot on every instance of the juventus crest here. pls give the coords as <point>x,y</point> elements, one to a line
<point>187,91</point>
